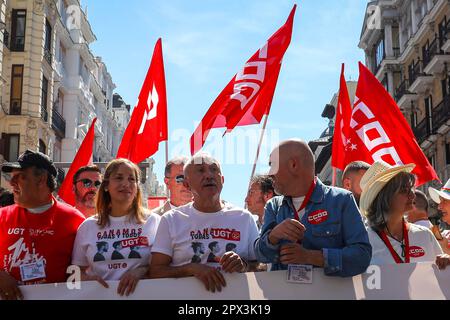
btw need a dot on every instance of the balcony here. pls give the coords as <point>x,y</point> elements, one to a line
<point>441,116</point>
<point>17,44</point>
<point>419,80</point>
<point>434,58</point>
<point>58,123</point>
<point>44,114</point>
<point>403,96</point>
<point>446,43</point>
<point>48,56</point>
<point>6,39</point>
<point>422,130</point>
<point>15,108</point>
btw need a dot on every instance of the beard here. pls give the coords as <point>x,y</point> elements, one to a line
<point>85,199</point>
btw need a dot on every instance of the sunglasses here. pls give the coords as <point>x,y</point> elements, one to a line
<point>87,183</point>
<point>178,179</point>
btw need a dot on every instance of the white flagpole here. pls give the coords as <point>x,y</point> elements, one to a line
<point>259,148</point>
<point>167,151</point>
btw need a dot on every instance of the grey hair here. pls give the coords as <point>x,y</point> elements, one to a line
<point>378,213</point>
<point>175,161</point>
<point>51,180</point>
<point>201,158</point>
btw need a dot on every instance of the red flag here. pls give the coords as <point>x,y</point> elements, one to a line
<point>148,123</point>
<point>82,158</point>
<point>248,96</point>
<point>379,131</point>
<point>342,125</point>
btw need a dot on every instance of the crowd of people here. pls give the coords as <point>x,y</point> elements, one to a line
<point>292,218</point>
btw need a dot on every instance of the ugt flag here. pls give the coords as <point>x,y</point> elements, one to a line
<point>248,96</point>
<point>148,123</point>
<point>379,131</point>
<point>82,158</point>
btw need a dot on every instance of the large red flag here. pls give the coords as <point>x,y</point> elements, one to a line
<point>342,125</point>
<point>248,96</point>
<point>148,123</point>
<point>82,158</point>
<point>379,131</point>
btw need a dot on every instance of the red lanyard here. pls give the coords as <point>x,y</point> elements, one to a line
<point>306,200</point>
<point>388,244</point>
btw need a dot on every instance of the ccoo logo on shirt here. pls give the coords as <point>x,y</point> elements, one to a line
<point>318,216</point>
<point>416,252</point>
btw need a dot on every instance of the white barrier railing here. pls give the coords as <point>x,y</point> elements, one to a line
<point>392,282</point>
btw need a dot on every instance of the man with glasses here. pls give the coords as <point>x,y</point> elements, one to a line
<point>178,194</point>
<point>86,183</point>
<point>37,232</point>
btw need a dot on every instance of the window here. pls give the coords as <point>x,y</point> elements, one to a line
<point>15,106</point>
<point>379,54</point>
<point>447,153</point>
<point>10,146</point>
<point>429,113</point>
<point>48,42</point>
<point>18,22</point>
<point>44,95</point>
<point>414,119</point>
<point>432,160</point>
<point>42,147</point>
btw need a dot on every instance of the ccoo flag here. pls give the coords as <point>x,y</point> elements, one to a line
<point>248,96</point>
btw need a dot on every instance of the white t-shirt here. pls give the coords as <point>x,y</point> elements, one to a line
<point>111,251</point>
<point>190,236</point>
<point>297,202</point>
<point>423,246</point>
<point>424,223</point>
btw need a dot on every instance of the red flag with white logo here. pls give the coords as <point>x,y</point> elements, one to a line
<point>342,125</point>
<point>82,158</point>
<point>379,131</point>
<point>148,123</point>
<point>248,96</point>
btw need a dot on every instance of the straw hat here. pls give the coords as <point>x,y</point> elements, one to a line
<point>444,192</point>
<point>378,175</point>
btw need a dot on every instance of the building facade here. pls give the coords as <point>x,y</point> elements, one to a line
<point>52,85</point>
<point>407,47</point>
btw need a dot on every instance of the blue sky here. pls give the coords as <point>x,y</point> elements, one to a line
<point>206,42</point>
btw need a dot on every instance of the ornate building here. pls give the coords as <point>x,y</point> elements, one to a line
<point>407,47</point>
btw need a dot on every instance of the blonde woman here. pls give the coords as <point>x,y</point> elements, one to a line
<point>115,244</point>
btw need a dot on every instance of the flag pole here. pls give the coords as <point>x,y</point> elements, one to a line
<point>259,148</point>
<point>333,183</point>
<point>167,151</point>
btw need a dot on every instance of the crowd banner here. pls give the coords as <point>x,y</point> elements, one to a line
<point>390,282</point>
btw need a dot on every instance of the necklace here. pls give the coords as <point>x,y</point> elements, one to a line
<point>402,242</point>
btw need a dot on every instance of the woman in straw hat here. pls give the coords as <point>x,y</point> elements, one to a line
<point>387,193</point>
<point>442,197</point>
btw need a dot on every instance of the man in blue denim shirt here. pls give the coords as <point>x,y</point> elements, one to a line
<point>311,223</point>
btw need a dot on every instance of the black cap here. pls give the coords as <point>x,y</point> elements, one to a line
<point>31,159</point>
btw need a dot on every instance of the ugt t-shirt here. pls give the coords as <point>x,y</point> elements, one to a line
<point>190,236</point>
<point>37,247</point>
<point>111,251</point>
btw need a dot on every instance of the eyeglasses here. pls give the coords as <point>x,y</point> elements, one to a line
<point>87,183</point>
<point>179,178</point>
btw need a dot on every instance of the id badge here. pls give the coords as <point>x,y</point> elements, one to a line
<point>299,273</point>
<point>32,271</point>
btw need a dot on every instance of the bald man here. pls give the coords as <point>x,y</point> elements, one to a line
<point>310,224</point>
